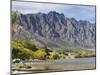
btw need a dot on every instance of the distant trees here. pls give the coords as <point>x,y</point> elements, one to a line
<point>85,53</point>
<point>25,50</point>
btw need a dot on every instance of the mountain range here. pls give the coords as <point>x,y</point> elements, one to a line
<point>54,30</point>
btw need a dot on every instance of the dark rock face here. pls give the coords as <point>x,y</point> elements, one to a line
<point>54,29</point>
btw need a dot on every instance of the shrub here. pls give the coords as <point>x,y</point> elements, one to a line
<point>20,65</point>
<point>62,56</point>
<point>54,55</point>
<point>40,54</point>
<point>19,50</point>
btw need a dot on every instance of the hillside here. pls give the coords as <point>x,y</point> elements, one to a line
<point>54,30</point>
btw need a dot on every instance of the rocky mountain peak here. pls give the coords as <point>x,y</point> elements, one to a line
<point>55,29</point>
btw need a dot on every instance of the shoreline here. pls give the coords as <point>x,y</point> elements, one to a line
<point>53,67</point>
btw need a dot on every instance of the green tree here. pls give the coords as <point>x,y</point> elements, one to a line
<point>14,16</point>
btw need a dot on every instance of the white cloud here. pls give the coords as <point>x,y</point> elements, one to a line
<point>39,7</point>
<point>76,11</point>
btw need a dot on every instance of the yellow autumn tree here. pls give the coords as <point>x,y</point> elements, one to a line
<point>40,54</point>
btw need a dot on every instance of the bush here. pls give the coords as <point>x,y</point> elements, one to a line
<point>40,54</point>
<point>19,50</point>
<point>20,65</point>
<point>81,54</point>
<point>62,56</point>
<point>24,43</point>
<point>54,55</point>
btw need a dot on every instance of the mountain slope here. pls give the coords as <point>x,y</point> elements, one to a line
<point>54,30</point>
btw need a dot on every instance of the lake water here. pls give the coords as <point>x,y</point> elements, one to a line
<point>78,60</point>
<point>90,60</point>
<point>58,65</point>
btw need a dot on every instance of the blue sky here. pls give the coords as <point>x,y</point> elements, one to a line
<point>78,12</point>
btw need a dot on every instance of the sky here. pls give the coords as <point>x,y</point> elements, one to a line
<point>79,12</point>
